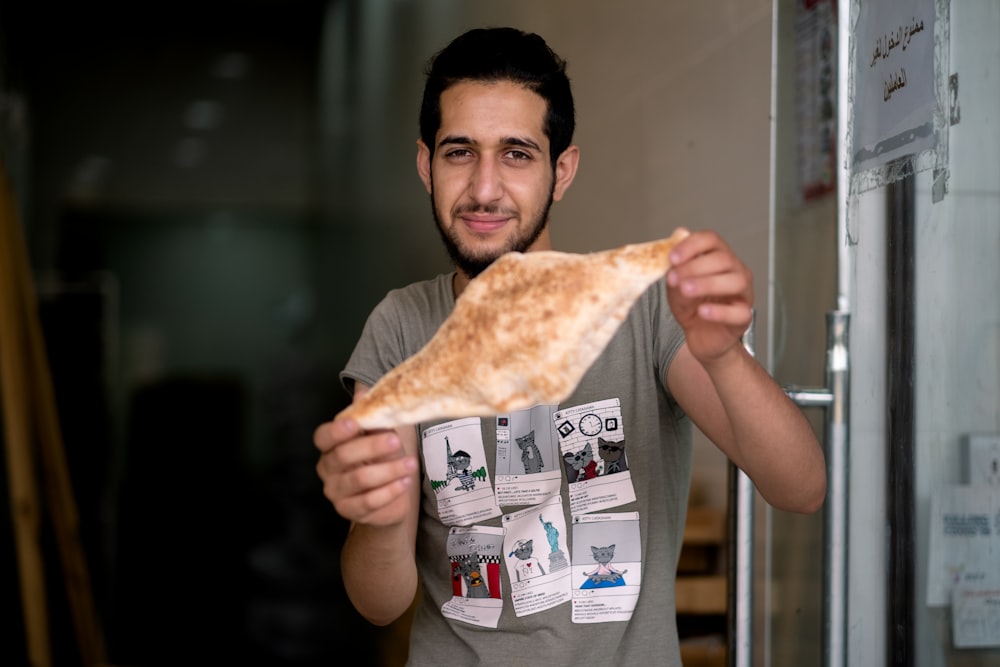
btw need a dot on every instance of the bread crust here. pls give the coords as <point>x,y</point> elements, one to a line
<point>511,342</point>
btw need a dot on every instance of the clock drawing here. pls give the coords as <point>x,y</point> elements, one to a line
<point>591,424</point>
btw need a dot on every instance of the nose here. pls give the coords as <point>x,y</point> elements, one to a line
<point>486,185</point>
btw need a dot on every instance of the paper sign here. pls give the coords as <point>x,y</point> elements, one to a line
<point>964,541</point>
<point>894,82</point>
<point>975,617</point>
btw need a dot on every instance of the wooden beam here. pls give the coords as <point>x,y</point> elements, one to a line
<point>22,476</point>
<point>35,401</point>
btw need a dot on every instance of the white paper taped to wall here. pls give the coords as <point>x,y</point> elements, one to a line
<point>964,541</point>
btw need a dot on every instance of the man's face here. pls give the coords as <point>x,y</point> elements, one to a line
<point>491,180</point>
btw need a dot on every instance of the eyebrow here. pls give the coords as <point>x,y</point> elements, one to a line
<point>460,140</point>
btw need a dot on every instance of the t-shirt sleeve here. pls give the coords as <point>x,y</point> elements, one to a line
<point>378,350</point>
<point>397,328</point>
<point>668,336</point>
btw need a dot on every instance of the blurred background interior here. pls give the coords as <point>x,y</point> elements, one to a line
<point>214,193</point>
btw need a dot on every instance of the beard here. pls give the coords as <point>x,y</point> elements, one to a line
<point>471,263</point>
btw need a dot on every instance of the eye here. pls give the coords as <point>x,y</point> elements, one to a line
<point>458,154</point>
<point>518,155</point>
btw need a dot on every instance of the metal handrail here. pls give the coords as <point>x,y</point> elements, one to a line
<point>834,399</point>
<point>741,530</point>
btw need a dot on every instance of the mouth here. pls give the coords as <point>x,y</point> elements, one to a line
<point>483,223</point>
<point>484,219</point>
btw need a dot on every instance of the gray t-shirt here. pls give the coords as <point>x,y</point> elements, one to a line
<point>577,568</point>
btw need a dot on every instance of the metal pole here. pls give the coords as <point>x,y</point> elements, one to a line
<point>836,510</point>
<point>835,399</point>
<point>836,507</point>
<point>740,579</point>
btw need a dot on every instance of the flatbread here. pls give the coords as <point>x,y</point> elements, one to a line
<point>523,333</point>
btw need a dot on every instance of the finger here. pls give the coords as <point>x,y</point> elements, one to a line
<point>708,255</point>
<point>373,475</point>
<point>715,286</point>
<point>367,487</point>
<point>369,448</point>
<point>362,507</point>
<point>709,264</point>
<point>697,243</point>
<point>736,314</point>
<point>329,434</point>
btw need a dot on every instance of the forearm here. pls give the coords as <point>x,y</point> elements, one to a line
<point>379,571</point>
<point>767,435</point>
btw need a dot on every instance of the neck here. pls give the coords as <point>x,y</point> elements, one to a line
<point>462,279</point>
<point>459,283</point>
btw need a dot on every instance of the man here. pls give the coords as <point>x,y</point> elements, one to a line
<point>495,153</point>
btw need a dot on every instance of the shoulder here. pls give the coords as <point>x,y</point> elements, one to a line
<point>409,316</point>
<point>425,300</point>
<point>423,296</point>
<point>398,326</point>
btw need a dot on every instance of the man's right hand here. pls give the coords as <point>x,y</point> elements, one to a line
<point>368,476</point>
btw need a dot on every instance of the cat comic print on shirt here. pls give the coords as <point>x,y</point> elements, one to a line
<point>593,445</point>
<point>455,461</point>
<point>475,553</point>
<point>607,567</point>
<point>528,463</point>
<point>537,557</point>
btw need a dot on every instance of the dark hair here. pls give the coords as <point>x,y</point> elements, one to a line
<point>502,54</point>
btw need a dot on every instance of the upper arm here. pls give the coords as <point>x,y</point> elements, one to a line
<point>695,393</point>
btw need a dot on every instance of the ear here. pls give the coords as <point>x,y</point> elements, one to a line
<point>424,164</point>
<point>565,171</point>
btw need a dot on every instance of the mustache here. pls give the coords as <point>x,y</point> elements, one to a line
<point>486,209</point>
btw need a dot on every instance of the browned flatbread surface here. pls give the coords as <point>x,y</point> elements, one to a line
<point>523,333</point>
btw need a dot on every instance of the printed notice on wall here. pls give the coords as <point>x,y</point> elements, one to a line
<point>975,617</point>
<point>894,82</point>
<point>964,546</point>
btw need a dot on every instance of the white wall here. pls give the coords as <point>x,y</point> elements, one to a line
<point>957,358</point>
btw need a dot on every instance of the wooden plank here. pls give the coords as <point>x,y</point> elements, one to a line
<point>21,472</point>
<point>696,559</point>
<point>696,654</point>
<point>57,482</point>
<point>705,525</point>
<point>701,594</point>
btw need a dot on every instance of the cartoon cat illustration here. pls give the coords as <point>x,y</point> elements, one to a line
<point>580,465</point>
<point>531,457</point>
<point>467,567</point>
<point>613,455</point>
<point>528,566</point>
<point>605,574</point>
<point>458,466</point>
